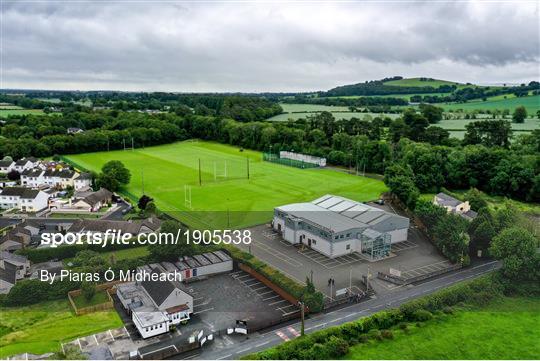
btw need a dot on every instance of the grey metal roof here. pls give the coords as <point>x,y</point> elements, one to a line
<point>444,199</point>
<point>22,192</point>
<point>339,214</point>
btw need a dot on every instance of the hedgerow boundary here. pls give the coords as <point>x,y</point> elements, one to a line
<point>334,342</point>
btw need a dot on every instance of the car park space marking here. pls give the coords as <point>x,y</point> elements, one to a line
<point>202,311</point>
<point>260,288</point>
<point>270,298</point>
<point>264,293</point>
<point>402,246</point>
<point>277,254</point>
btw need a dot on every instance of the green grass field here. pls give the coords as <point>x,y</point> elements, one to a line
<point>529,124</point>
<point>234,200</point>
<point>307,110</point>
<point>99,298</point>
<point>416,82</point>
<point>507,329</point>
<point>41,327</point>
<point>531,103</point>
<point>4,113</point>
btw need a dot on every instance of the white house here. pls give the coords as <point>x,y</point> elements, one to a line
<point>6,166</point>
<point>60,178</point>
<point>453,205</point>
<point>25,163</point>
<point>155,305</point>
<point>82,181</point>
<point>24,199</point>
<point>336,226</point>
<point>32,177</point>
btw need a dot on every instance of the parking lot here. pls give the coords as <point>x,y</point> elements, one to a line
<point>414,255</point>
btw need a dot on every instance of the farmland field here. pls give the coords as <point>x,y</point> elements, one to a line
<point>531,103</point>
<point>299,111</point>
<point>529,124</point>
<point>416,82</point>
<point>506,329</point>
<point>7,112</point>
<point>233,200</point>
<point>41,327</point>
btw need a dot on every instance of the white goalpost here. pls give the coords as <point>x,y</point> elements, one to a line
<point>220,172</point>
<point>187,196</point>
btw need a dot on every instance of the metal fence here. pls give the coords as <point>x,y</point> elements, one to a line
<point>274,158</point>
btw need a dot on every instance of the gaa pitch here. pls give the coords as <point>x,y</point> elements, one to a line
<point>226,197</point>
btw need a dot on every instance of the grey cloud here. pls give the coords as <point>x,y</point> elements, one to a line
<point>257,47</point>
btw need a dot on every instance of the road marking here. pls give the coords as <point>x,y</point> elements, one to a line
<point>293,331</point>
<point>224,357</point>
<point>244,350</point>
<point>266,292</point>
<point>263,343</point>
<point>269,298</point>
<point>282,335</point>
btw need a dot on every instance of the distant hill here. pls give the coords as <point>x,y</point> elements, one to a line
<point>423,82</point>
<point>395,85</point>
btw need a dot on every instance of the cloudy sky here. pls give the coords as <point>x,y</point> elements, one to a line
<point>263,46</point>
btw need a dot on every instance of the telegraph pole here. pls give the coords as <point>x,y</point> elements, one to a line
<point>302,316</point>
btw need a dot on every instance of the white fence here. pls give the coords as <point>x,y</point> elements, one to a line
<point>321,162</point>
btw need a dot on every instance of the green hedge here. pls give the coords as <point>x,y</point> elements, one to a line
<point>38,255</point>
<point>322,344</point>
<point>314,301</point>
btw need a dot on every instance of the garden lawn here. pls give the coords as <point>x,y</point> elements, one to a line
<point>41,327</point>
<point>98,298</point>
<point>233,200</point>
<point>506,329</point>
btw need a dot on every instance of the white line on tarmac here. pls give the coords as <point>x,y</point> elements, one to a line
<point>270,298</point>
<point>224,357</point>
<point>263,343</point>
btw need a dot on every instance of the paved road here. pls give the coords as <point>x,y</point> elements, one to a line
<point>271,338</point>
<point>117,214</point>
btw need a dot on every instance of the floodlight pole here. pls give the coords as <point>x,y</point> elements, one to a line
<point>247,159</point>
<point>350,279</point>
<point>108,147</point>
<point>124,141</point>
<point>132,144</point>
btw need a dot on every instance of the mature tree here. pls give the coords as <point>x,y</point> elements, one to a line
<point>520,113</point>
<point>405,189</point>
<point>432,113</point>
<point>489,133</point>
<point>14,175</point>
<point>169,251</point>
<point>476,199</point>
<point>88,290</point>
<point>113,175</point>
<point>117,170</point>
<point>436,135</point>
<point>143,201</point>
<point>482,229</point>
<point>517,249</point>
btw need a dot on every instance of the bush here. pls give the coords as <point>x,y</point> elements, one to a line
<point>422,315</point>
<point>387,334</point>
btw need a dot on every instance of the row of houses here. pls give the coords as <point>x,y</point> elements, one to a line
<point>56,178</point>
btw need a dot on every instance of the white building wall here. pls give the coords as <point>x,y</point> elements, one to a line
<point>399,235</point>
<point>150,331</point>
<point>214,268</point>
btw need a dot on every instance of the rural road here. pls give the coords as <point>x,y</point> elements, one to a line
<point>259,342</point>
